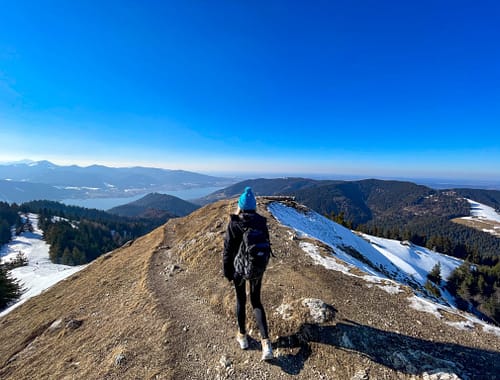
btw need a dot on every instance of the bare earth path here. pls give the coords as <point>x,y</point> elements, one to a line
<point>159,308</point>
<point>200,337</point>
<point>369,334</point>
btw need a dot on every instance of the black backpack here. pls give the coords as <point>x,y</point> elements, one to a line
<point>254,253</point>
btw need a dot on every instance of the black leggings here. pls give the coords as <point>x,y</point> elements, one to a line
<point>258,309</point>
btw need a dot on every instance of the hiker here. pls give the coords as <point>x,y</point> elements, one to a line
<point>245,218</point>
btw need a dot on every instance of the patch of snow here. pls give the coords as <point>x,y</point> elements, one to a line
<point>40,273</point>
<point>426,306</point>
<point>482,211</point>
<point>465,325</point>
<point>379,258</point>
<point>80,188</point>
<point>391,289</point>
<point>485,216</point>
<point>341,239</point>
<point>491,329</point>
<point>414,260</point>
<point>471,321</point>
<point>440,375</point>
<point>327,262</point>
<point>333,264</point>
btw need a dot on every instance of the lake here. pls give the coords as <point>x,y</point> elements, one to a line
<point>107,203</point>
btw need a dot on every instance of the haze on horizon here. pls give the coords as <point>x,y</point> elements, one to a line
<point>377,89</point>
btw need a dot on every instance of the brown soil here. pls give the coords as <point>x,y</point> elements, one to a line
<point>480,224</point>
<point>161,309</point>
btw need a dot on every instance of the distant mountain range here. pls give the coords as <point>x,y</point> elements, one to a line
<point>25,181</point>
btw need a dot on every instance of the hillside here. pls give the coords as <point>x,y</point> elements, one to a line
<point>488,197</point>
<point>159,308</point>
<point>395,209</point>
<point>264,186</point>
<point>159,205</point>
<point>362,201</point>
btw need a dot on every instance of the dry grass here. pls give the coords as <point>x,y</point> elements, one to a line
<point>491,226</point>
<point>115,307</point>
<point>160,308</point>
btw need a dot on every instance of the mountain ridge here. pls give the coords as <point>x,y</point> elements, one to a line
<point>160,308</point>
<point>95,181</point>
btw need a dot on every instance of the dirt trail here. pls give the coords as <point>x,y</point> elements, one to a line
<point>201,335</point>
<point>159,308</point>
<point>371,334</point>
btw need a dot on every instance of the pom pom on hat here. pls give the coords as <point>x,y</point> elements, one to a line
<point>247,200</point>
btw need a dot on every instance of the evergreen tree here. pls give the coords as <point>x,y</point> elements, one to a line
<point>5,234</point>
<point>435,274</point>
<point>10,289</point>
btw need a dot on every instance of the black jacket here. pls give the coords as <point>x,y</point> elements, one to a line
<point>234,236</point>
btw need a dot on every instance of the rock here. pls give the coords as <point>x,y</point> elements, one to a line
<point>120,359</point>
<point>362,374</point>
<point>170,270</point>
<point>285,311</point>
<point>319,311</point>
<point>225,362</point>
<point>73,324</point>
<point>56,325</point>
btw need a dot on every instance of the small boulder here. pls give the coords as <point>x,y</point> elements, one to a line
<point>120,359</point>
<point>73,324</point>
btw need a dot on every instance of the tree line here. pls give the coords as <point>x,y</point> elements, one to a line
<point>9,217</point>
<point>476,282</point>
<point>9,288</point>
<point>78,235</point>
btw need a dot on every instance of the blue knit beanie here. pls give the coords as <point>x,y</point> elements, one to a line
<point>247,200</point>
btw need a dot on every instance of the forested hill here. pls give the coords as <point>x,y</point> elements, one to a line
<point>155,204</point>
<point>487,197</point>
<point>265,186</point>
<point>359,201</point>
<point>405,211</point>
<point>79,235</point>
<point>396,209</point>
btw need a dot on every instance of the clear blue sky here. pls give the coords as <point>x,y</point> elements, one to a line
<point>371,88</point>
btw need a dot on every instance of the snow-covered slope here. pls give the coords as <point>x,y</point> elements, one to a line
<point>383,262</point>
<point>40,273</point>
<point>483,217</point>
<point>382,258</point>
<point>482,211</point>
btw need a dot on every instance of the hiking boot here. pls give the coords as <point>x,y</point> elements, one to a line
<point>242,340</point>
<point>267,350</point>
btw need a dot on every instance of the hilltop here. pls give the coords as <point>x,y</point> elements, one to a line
<point>155,204</point>
<point>159,308</point>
